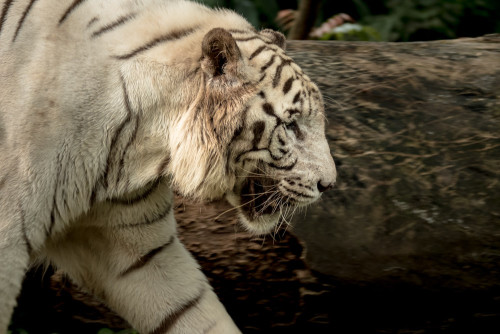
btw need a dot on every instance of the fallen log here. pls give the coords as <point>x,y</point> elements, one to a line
<point>415,131</point>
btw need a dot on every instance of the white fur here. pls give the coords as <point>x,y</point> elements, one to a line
<point>83,131</point>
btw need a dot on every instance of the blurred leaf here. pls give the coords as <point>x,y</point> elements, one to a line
<point>105,331</point>
<point>410,19</point>
<point>363,9</point>
<point>213,3</point>
<point>128,331</point>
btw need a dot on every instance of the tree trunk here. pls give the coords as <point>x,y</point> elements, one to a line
<point>304,21</point>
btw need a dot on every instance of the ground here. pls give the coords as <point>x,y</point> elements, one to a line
<point>268,288</point>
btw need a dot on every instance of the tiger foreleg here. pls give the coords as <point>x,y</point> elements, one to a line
<point>157,288</point>
<point>14,261</point>
<point>165,292</point>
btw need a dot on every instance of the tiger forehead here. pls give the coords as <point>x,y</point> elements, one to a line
<point>295,90</point>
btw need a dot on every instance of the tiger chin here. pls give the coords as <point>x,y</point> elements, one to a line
<point>106,108</point>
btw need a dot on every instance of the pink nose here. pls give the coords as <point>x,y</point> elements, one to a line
<point>324,187</point>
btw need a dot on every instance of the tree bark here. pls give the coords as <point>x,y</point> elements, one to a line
<point>414,129</point>
<point>305,18</point>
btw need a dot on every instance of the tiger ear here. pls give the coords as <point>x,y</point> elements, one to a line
<point>276,37</point>
<point>220,54</point>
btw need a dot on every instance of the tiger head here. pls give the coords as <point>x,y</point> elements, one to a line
<point>260,121</point>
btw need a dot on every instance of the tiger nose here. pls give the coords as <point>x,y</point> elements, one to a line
<point>324,186</point>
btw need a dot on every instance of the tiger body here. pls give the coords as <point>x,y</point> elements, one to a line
<point>106,108</point>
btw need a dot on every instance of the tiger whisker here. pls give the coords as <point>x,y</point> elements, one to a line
<point>279,204</point>
<point>262,193</point>
<point>237,207</point>
<point>268,202</point>
<point>281,220</point>
<point>251,172</point>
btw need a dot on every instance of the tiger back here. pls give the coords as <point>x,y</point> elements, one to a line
<point>107,108</point>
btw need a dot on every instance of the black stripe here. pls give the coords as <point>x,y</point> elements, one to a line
<point>103,179</point>
<point>241,31</point>
<point>171,319</point>
<point>117,133</point>
<point>288,85</point>
<point>71,8</point>
<point>296,193</point>
<point>257,52</point>
<point>21,21</point>
<point>52,219</point>
<point>292,112</point>
<point>113,25</point>
<point>246,39</point>
<point>296,98</point>
<point>121,164</point>
<point>152,221</point>
<point>258,130</point>
<point>144,260</point>
<point>93,195</point>
<point>268,108</point>
<point>289,167</point>
<point>281,141</point>
<point>296,130</point>
<point>5,10</point>
<point>310,105</point>
<point>279,69</point>
<point>275,158</point>
<point>171,36</point>
<point>111,151</point>
<point>54,200</point>
<point>91,22</point>
<point>236,134</point>
<point>269,63</point>
<point>131,201</point>
<point>29,248</point>
<point>238,158</point>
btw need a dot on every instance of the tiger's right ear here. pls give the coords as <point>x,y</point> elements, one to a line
<point>220,54</point>
<point>276,37</point>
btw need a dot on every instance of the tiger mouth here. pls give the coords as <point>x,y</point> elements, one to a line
<point>259,196</point>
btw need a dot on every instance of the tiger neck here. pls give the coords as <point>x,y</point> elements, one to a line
<point>159,116</point>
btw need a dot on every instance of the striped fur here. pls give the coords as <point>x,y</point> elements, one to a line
<point>106,108</point>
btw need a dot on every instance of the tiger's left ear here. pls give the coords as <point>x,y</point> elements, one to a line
<point>220,54</point>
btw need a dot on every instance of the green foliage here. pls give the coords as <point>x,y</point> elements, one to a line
<point>407,20</point>
<point>125,331</point>
<point>393,20</point>
<point>260,13</point>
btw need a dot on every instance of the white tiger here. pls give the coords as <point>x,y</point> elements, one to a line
<point>106,108</point>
